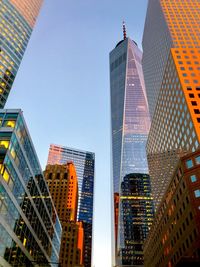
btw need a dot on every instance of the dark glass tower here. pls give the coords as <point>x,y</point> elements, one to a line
<point>84,163</point>
<point>130,126</point>
<point>136,217</point>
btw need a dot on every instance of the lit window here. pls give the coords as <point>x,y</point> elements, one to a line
<point>9,124</point>
<point>4,144</point>
<point>193,178</point>
<point>189,163</point>
<point>197,159</point>
<point>197,193</point>
<point>6,176</point>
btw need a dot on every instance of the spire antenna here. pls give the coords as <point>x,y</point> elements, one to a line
<point>124,30</point>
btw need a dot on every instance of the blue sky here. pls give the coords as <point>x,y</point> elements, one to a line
<point>63,87</point>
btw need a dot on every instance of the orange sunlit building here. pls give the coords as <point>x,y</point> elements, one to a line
<point>171,64</point>
<point>174,238</point>
<point>63,186</point>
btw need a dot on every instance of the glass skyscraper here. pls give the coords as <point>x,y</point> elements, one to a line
<point>136,217</point>
<point>84,163</point>
<point>171,64</point>
<point>17,19</point>
<point>130,126</point>
<point>30,231</point>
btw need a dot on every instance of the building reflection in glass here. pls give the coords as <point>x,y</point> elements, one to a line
<point>30,230</point>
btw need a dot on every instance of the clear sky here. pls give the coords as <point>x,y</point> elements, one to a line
<point>63,88</point>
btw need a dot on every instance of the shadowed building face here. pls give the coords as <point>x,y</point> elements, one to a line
<point>17,21</point>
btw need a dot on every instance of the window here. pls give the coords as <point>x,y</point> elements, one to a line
<point>197,193</point>
<point>193,178</point>
<point>196,111</point>
<point>189,163</point>
<point>197,159</point>
<point>194,103</point>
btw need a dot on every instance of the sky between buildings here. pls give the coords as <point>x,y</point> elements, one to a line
<point>63,88</point>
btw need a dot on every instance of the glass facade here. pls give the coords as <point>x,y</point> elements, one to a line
<point>130,126</point>
<point>171,71</point>
<point>30,230</point>
<point>136,217</point>
<point>84,163</point>
<point>17,19</point>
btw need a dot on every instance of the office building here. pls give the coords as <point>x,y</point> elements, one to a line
<point>63,186</point>
<point>174,236</point>
<point>136,216</point>
<point>171,64</point>
<point>130,126</point>
<point>84,163</point>
<point>17,21</point>
<point>30,229</point>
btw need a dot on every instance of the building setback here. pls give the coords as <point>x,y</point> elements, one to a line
<point>171,63</point>
<point>63,186</point>
<point>17,21</point>
<point>30,230</point>
<point>174,236</point>
<point>130,126</point>
<point>84,162</point>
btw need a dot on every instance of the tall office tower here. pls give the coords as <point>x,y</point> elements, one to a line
<point>17,19</point>
<point>130,126</point>
<point>30,230</point>
<point>171,64</point>
<point>63,186</point>
<point>84,163</point>
<point>136,216</point>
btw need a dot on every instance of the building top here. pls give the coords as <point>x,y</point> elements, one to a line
<point>125,36</point>
<point>29,9</point>
<point>54,146</point>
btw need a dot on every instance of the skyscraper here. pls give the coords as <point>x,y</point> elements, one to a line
<point>17,21</point>
<point>171,64</point>
<point>30,230</point>
<point>63,186</point>
<point>130,125</point>
<point>136,217</point>
<point>84,163</point>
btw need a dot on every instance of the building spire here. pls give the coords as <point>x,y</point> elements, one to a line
<point>124,30</point>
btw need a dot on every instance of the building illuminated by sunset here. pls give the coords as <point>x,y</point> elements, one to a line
<point>130,126</point>
<point>171,64</point>
<point>17,19</point>
<point>63,186</point>
<point>84,162</point>
<point>173,240</point>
